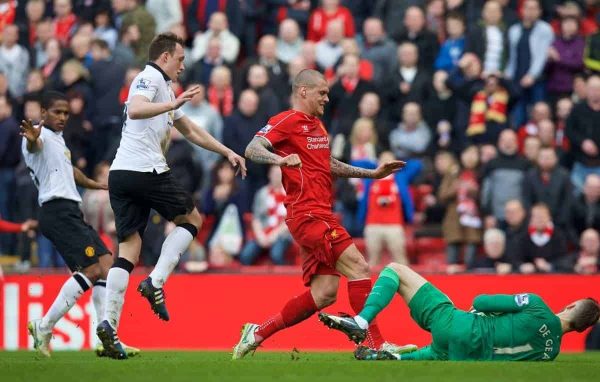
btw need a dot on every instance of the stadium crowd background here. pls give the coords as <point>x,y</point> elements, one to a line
<point>493,104</point>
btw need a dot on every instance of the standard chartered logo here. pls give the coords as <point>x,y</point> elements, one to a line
<point>317,143</point>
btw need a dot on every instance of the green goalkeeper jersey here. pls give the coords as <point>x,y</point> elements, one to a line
<point>513,328</point>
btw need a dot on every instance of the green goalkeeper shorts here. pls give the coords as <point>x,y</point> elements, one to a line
<point>433,311</point>
<point>453,331</point>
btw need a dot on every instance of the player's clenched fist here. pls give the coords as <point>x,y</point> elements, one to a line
<point>292,160</point>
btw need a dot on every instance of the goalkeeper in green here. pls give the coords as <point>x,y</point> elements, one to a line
<point>499,327</point>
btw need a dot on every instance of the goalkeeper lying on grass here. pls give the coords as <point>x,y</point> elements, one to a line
<point>500,327</point>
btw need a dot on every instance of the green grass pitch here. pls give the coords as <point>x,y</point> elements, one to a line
<point>282,367</point>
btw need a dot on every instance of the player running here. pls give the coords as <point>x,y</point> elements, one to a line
<point>140,180</point>
<point>61,221</point>
<point>297,141</point>
<point>499,328</point>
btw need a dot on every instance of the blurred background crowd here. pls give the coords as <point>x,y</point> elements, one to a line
<point>494,105</point>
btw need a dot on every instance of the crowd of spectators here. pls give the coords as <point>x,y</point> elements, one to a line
<point>493,105</point>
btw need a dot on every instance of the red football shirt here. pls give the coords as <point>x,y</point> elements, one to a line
<point>389,210</point>
<point>308,189</point>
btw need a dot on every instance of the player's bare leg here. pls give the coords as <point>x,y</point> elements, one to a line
<point>176,243</point>
<point>352,264</point>
<point>395,278</point>
<point>116,286</point>
<point>72,289</point>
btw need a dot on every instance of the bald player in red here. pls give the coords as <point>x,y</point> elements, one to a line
<point>297,141</point>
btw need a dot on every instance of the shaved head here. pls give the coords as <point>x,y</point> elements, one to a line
<point>307,78</point>
<point>310,92</point>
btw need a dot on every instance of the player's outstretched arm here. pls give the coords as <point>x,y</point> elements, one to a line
<point>83,181</point>
<point>501,303</point>
<point>202,138</point>
<point>345,170</point>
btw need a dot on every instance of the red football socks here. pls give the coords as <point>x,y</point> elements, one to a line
<point>358,291</point>
<point>296,310</point>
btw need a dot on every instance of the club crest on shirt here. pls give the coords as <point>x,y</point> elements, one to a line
<point>332,234</point>
<point>143,84</point>
<point>266,129</point>
<point>305,128</point>
<point>89,251</point>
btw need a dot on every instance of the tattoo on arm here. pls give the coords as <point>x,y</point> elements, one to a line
<point>258,152</point>
<point>344,170</point>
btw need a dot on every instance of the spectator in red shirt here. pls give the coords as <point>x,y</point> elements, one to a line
<point>322,16</point>
<point>386,208</point>
<point>64,21</point>
<point>8,12</point>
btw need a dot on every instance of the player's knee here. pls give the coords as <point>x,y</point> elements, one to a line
<point>397,267</point>
<point>192,218</point>
<point>360,269</point>
<point>93,272</point>
<point>324,297</point>
<point>195,218</point>
<point>356,267</point>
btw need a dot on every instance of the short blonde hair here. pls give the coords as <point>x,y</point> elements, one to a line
<point>77,67</point>
<point>360,124</point>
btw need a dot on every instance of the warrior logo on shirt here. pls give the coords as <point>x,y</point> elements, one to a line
<point>143,84</point>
